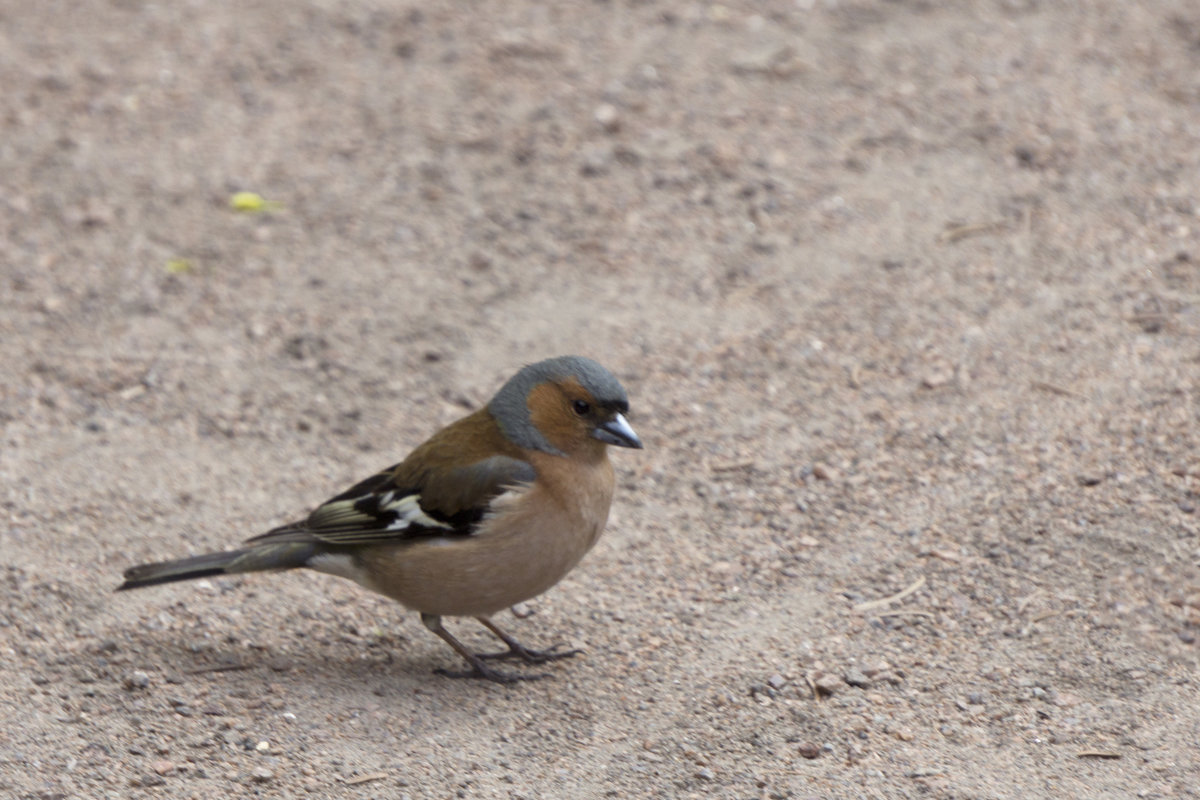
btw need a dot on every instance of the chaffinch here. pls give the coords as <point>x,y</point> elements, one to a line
<point>490,511</point>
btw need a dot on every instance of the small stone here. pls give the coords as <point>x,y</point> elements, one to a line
<point>975,699</point>
<point>776,681</point>
<point>855,677</point>
<point>1089,479</point>
<point>827,683</point>
<point>778,60</point>
<point>705,774</point>
<point>824,472</point>
<point>263,747</point>
<point>137,680</point>
<point>607,117</point>
<point>937,377</point>
<point>163,767</point>
<point>809,750</point>
<point>875,667</point>
<point>261,775</point>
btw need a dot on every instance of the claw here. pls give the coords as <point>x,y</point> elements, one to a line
<point>515,650</point>
<point>518,650</point>
<point>529,656</point>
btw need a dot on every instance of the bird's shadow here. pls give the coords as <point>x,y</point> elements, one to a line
<point>387,667</point>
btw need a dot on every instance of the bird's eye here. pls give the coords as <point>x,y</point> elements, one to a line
<point>581,407</point>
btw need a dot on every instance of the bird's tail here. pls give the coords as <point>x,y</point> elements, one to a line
<point>256,558</point>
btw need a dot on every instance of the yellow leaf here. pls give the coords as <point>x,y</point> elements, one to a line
<point>251,203</point>
<point>247,201</point>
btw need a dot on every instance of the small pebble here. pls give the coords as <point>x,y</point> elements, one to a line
<point>809,750</point>
<point>937,377</point>
<point>163,767</point>
<point>776,681</point>
<point>261,775</point>
<point>874,667</point>
<point>824,472</point>
<point>705,774</point>
<point>827,683</point>
<point>855,677</point>
<point>608,117</point>
<point>137,680</point>
<point>975,699</point>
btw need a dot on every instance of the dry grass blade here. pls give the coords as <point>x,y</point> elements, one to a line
<point>374,776</point>
<point>883,601</point>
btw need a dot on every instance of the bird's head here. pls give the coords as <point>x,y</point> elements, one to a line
<point>564,405</point>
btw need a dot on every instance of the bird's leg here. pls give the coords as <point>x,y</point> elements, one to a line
<point>518,650</point>
<point>478,669</point>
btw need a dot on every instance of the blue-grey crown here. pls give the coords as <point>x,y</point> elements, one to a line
<point>510,409</point>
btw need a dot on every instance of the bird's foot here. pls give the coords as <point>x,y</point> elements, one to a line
<point>518,651</point>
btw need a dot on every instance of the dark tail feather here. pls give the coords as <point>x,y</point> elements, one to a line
<point>284,555</point>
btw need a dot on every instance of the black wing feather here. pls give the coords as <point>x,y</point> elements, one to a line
<point>379,510</point>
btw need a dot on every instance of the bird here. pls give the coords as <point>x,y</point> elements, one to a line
<point>490,511</point>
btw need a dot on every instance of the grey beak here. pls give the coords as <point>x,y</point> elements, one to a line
<point>617,431</point>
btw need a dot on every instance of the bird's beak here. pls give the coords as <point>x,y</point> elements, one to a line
<point>617,431</point>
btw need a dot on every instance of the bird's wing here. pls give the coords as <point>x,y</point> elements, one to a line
<point>383,509</point>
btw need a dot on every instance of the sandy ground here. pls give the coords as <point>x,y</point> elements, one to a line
<point>906,296</point>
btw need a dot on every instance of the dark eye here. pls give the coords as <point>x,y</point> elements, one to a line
<point>581,407</point>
